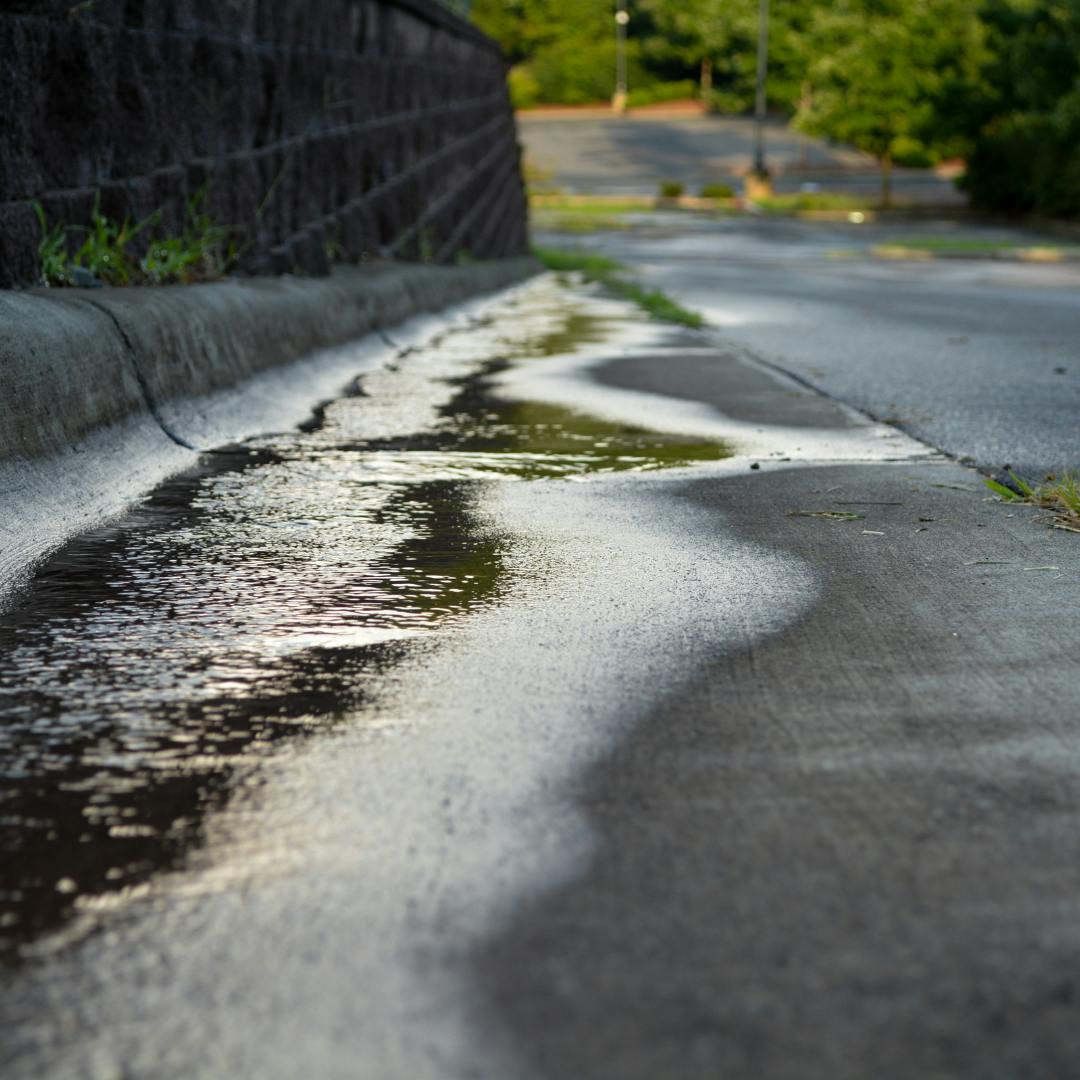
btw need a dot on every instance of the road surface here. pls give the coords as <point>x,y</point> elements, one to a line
<point>632,155</point>
<point>976,357</point>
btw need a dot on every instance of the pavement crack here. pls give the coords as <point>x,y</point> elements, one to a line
<point>140,378</point>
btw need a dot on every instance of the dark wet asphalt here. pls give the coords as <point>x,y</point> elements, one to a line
<point>977,358</point>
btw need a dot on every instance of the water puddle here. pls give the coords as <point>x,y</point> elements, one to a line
<point>252,602</point>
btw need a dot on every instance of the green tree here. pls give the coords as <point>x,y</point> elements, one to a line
<point>883,70</point>
<point>564,50</point>
<point>720,38</point>
<point>525,27</point>
<point>1023,114</point>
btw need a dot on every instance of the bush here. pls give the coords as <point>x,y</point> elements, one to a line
<point>1028,164</point>
<point>728,102</point>
<point>718,191</point>
<point>661,92</point>
<point>671,189</point>
<point>524,89</point>
<point>580,72</point>
<point>909,153</point>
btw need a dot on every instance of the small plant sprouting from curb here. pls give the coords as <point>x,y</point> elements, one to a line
<point>1059,495</point>
<point>107,256</point>
<point>608,273</point>
<point>52,251</point>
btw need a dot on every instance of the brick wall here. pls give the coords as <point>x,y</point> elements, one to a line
<point>351,127</point>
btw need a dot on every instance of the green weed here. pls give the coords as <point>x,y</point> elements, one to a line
<point>608,272</point>
<point>1059,495</point>
<point>204,251</point>
<point>52,251</point>
<point>655,303</point>
<point>568,262</point>
<point>107,254</point>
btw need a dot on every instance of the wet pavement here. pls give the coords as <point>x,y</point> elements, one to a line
<point>579,697</point>
<point>151,664</point>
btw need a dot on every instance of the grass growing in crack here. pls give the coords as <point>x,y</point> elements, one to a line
<point>107,254</point>
<point>1059,495</point>
<point>609,273</point>
<point>656,303</point>
<point>568,262</point>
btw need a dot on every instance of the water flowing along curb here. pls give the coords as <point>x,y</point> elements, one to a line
<point>103,393</point>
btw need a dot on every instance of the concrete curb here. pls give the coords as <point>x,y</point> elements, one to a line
<point>107,392</point>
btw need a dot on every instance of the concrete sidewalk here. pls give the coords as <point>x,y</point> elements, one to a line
<point>765,767</point>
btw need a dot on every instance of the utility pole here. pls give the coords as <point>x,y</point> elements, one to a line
<point>760,103</point>
<point>622,18</point>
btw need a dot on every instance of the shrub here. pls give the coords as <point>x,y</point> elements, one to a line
<point>728,102</point>
<point>580,72</point>
<point>524,89</point>
<point>661,92</point>
<point>671,189</point>
<point>717,191</point>
<point>910,153</point>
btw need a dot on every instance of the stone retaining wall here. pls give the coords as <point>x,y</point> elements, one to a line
<point>323,129</point>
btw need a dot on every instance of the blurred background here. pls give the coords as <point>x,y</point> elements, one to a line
<point>896,101</point>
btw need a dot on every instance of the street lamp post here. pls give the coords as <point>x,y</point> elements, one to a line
<point>622,18</point>
<point>760,102</point>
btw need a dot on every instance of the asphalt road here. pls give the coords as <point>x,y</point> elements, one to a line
<point>631,156</point>
<point>477,743</point>
<point>976,357</point>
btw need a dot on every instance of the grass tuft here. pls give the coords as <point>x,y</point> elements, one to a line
<point>656,303</point>
<point>570,262</point>
<point>1059,495</point>
<point>107,254</point>
<point>608,272</point>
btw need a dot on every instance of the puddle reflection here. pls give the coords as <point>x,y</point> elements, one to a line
<point>153,663</point>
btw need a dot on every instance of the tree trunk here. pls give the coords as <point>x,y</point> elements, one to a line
<point>806,100</point>
<point>886,178</point>
<point>706,76</point>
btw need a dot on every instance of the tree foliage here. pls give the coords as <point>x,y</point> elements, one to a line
<point>882,71</point>
<point>910,81</point>
<point>1024,116</point>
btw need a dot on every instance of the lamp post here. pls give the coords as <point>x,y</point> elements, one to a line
<point>622,18</point>
<point>760,171</point>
